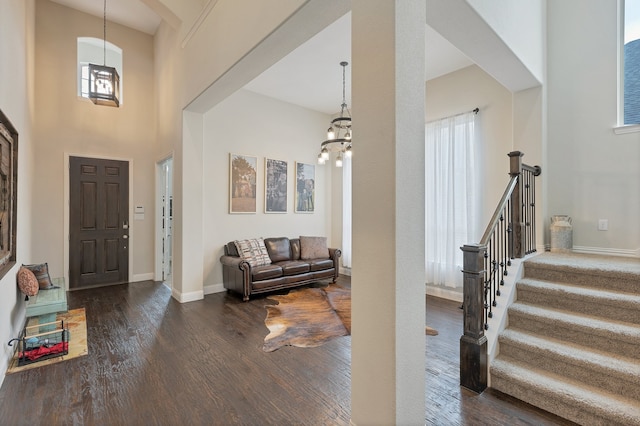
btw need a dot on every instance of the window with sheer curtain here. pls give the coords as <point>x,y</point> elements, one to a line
<point>452,199</point>
<point>346,212</point>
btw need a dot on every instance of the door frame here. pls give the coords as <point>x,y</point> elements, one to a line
<point>158,217</point>
<point>67,203</point>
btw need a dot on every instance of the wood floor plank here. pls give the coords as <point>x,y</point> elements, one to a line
<point>155,361</point>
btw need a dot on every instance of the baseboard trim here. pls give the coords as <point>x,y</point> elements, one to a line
<point>192,296</point>
<point>345,271</point>
<point>214,288</point>
<point>149,276</point>
<point>607,251</point>
<point>444,293</point>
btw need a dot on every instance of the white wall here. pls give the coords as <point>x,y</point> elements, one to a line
<point>462,91</point>
<point>593,173</point>
<point>251,124</point>
<point>67,124</point>
<point>520,25</point>
<point>17,32</point>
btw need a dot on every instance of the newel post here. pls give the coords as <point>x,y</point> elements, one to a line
<point>517,249</point>
<point>473,343</point>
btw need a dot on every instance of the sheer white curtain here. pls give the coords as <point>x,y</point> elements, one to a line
<point>452,202</point>
<point>346,212</point>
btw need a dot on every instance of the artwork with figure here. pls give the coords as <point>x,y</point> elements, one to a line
<point>242,183</point>
<point>305,188</point>
<point>8,193</point>
<point>275,192</point>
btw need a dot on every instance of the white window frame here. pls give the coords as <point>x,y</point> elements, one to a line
<point>621,127</point>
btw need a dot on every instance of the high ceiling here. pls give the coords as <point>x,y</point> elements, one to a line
<point>131,13</point>
<point>310,76</point>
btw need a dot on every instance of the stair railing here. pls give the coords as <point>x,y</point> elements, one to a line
<point>510,234</point>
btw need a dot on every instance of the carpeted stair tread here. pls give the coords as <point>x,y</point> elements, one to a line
<point>572,346</point>
<point>608,272</point>
<point>617,266</point>
<point>613,372</point>
<point>564,397</point>
<point>589,323</point>
<point>584,330</point>
<point>613,304</point>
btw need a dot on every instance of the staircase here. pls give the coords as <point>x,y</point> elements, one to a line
<point>572,346</point>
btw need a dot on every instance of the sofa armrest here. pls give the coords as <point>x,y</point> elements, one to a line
<point>235,262</point>
<point>335,253</point>
<point>236,275</point>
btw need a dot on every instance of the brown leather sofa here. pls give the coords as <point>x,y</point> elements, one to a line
<point>287,268</point>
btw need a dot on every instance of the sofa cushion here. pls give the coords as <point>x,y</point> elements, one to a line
<point>266,272</point>
<point>294,267</point>
<point>320,264</point>
<point>253,251</point>
<point>313,248</point>
<point>279,249</point>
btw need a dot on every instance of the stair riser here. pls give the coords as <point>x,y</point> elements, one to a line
<point>594,374</point>
<point>566,409</point>
<point>611,310</point>
<point>569,333</point>
<point>587,279</point>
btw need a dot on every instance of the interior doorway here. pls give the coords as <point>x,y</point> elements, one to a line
<point>164,232</point>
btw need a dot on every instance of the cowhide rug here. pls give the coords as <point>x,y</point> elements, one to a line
<point>310,317</point>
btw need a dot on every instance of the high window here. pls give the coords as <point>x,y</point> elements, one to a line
<point>631,61</point>
<point>96,51</point>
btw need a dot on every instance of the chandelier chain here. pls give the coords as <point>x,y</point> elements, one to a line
<point>104,35</point>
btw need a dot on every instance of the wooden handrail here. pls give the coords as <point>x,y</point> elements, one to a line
<point>509,234</point>
<point>506,196</point>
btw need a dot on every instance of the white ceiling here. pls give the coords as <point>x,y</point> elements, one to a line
<point>311,75</point>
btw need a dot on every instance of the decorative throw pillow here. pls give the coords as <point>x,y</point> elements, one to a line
<point>313,248</point>
<point>41,271</point>
<point>253,251</point>
<point>27,282</point>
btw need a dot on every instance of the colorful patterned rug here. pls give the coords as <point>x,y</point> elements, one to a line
<point>75,321</point>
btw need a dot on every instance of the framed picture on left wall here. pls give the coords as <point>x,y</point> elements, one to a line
<point>243,173</point>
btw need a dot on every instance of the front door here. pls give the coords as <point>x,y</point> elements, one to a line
<point>98,222</point>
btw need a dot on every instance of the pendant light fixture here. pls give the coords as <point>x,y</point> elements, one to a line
<point>104,82</point>
<point>339,131</point>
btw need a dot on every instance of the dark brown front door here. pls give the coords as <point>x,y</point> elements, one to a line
<point>98,222</point>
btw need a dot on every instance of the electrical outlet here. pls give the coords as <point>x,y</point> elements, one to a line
<point>603,224</point>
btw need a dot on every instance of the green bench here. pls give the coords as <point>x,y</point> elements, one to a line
<point>48,301</point>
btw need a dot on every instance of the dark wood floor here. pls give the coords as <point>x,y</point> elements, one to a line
<point>155,361</point>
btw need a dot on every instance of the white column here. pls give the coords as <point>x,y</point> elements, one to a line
<point>188,257</point>
<point>388,282</point>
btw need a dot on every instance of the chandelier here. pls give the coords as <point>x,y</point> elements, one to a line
<point>104,82</point>
<point>339,132</point>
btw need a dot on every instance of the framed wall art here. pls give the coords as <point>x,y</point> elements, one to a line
<point>305,194</point>
<point>275,186</point>
<point>8,194</point>
<point>243,172</point>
